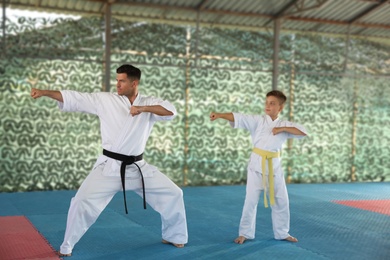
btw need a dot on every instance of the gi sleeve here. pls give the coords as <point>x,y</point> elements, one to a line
<point>248,122</point>
<point>75,101</point>
<point>165,104</point>
<point>299,127</point>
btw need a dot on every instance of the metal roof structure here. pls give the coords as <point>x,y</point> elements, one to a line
<point>362,18</point>
<point>366,18</point>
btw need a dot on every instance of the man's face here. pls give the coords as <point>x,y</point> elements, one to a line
<point>272,107</point>
<point>124,85</point>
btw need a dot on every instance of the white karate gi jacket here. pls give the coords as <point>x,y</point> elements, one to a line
<point>260,128</point>
<point>120,131</point>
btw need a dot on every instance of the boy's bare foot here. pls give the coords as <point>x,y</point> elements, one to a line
<point>174,244</point>
<point>240,240</point>
<point>291,239</point>
<point>62,255</point>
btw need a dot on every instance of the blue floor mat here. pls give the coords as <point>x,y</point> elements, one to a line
<point>325,230</point>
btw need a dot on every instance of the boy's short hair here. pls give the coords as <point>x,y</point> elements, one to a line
<point>131,71</point>
<point>279,95</point>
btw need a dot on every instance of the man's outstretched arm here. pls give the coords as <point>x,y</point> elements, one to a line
<point>54,94</point>
<point>157,110</point>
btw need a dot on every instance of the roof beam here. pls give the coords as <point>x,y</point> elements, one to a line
<point>361,30</point>
<point>211,11</point>
<point>302,7</point>
<point>201,5</point>
<point>282,11</point>
<point>191,9</point>
<point>39,3</point>
<point>369,25</point>
<point>104,7</point>
<point>285,8</point>
<point>299,7</point>
<point>368,11</point>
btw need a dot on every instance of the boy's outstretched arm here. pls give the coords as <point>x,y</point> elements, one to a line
<point>54,94</point>
<point>226,116</point>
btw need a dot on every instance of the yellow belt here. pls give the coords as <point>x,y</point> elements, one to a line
<point>267,155</point>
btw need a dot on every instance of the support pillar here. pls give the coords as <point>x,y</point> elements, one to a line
<point>275,63</point>
<point>107,49</point>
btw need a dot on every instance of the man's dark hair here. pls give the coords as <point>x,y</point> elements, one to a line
<point>131,71</point>
<point>279,95</point>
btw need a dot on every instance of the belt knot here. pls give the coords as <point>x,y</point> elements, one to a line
<point>127,160</point>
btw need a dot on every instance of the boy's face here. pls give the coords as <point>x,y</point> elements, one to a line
<point>272,107</point>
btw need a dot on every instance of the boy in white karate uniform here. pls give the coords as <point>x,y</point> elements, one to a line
<point>126,121</point>
<point>265,173</point>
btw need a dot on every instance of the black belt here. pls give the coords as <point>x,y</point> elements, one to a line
<point>127,160</point>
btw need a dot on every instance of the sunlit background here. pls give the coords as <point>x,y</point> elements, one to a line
<point>343,100</point>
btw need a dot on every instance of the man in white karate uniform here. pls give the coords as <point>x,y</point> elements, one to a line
<point>268,133</point>
<point>126,120</point>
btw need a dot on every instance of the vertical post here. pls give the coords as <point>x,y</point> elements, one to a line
<point>275,63</point>
<point>3,25</point>
<point>186,106</point>
<point>354,126</point>
<point>197,39</point>
<point>291,118</point>
<point>107,48</point>
<point>347,48</point>
<point>187,92</point>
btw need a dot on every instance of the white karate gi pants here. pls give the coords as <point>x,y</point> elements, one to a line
<point>97,190</point>
<point>280,211</point>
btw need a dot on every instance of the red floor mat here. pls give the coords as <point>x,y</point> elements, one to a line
<point>20,240</point>
<point>378,206</point>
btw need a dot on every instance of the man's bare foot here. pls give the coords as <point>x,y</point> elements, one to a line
<point>291,239</point>
<point>240,240</point>
<point>174,244</point>
<point>62,255</point>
